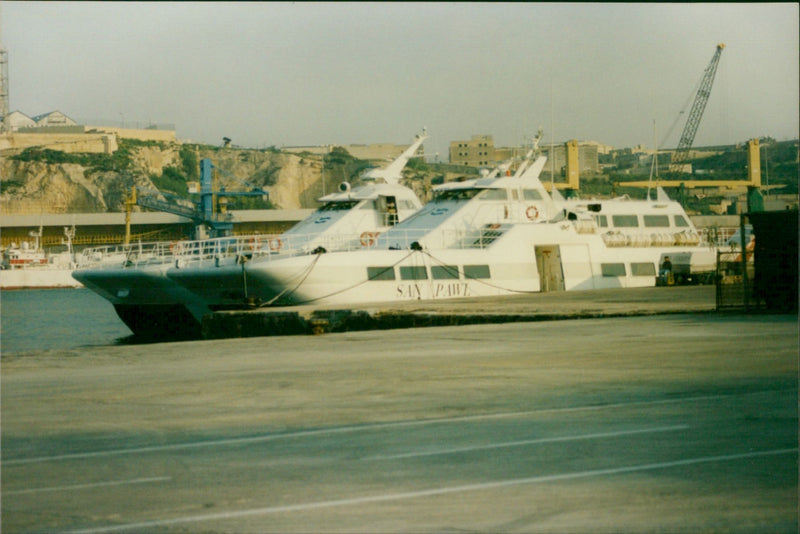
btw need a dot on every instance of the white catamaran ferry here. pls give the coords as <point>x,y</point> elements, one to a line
<point>207,274</point>
<point>496,236</point>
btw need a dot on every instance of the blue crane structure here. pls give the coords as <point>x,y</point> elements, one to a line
<point>205,216</point>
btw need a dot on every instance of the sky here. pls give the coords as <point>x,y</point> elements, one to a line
<point>289,74</point>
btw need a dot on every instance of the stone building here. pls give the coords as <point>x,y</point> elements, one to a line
<point>479,151</point>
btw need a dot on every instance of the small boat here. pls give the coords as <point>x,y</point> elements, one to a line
<point>207,274</point>
<point>28,266</point>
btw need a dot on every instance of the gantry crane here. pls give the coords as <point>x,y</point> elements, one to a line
<point>698,107</point>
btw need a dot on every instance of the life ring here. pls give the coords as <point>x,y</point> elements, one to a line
<point>368,239</point>
<point>532,213</point>
<point>253,243</point>
<point>275,244</point>
<point>175,247</point>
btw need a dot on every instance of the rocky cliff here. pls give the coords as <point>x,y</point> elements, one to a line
<point>46,181</point>
<point>38,180</point>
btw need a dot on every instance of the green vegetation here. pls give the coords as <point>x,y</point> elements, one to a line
<point>173,180</point>
<point>189,164</point>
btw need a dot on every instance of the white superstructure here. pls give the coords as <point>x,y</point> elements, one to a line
<point>207,274</point>
<point>496,236</point>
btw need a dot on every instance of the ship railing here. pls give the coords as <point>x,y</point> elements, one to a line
<point>125,255</point>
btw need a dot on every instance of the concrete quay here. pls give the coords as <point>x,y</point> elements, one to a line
<point>684,422</point>
<point>310,319</point>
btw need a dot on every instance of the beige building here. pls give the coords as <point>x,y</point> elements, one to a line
<point>587,158</point>
<point>479,151</point>
<point>53,118</point>
<point>16,120</point>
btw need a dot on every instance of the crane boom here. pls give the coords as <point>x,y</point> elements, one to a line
<point>698,107</point>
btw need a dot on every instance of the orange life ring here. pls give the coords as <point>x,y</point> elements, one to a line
<point>368,239</point>
<point>532,213</point>
<point>275,244</point>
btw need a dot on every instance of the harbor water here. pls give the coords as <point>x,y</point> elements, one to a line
<point>45,319</point>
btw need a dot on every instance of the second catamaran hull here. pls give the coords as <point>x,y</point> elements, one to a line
<point>528,258</point>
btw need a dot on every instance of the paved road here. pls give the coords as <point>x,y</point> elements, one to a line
<point>679,423</point>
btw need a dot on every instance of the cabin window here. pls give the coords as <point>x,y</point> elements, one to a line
<point>380,273</point>
<point>681,221</point>
<point>643,269</point>
<point>444,272</point>
<point>626,221</point>
<point>613,269</point>
<point>368,205</point>
<point>531,194</point>
<point>601,220</point>
<point>494,194</point>
<point>656,221</point>
<point>406,204</point>
<point>413,273</point>
<point>343,205</point>
<point>476,271</point>
<point>455,194</point>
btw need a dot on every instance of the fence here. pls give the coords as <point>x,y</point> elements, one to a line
<point>763,277</point>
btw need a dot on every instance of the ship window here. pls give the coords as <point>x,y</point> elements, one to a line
<point>531,194</point>
<point>456,194</point>
<point>417,272</point>
<point>476,271</point>
<point>368,205</point>
<point>680,220</point>
<point>334,206</point>
<point>444,272</point>
<point>643,269</point>
<point>494,194</point>
<point>613,269</point>
<point>627,221</point>
<point>406,204</point>
<point>601,220</point>
<point>380,273</point>
<point>653,221</point>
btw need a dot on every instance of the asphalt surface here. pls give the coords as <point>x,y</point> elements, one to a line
<point>672,423</point>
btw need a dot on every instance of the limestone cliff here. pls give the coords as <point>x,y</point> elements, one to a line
<point>48,181</point>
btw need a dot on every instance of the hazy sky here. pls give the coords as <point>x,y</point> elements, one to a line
<point>317,73</point>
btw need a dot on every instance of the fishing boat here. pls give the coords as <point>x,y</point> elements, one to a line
<point>206,274</point>
<point>498,235</point>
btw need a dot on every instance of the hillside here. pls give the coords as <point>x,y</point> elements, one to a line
<point>37,180</point>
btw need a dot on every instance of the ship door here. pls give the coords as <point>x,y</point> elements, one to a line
<point>548,263</point>
<point>391,216</point>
